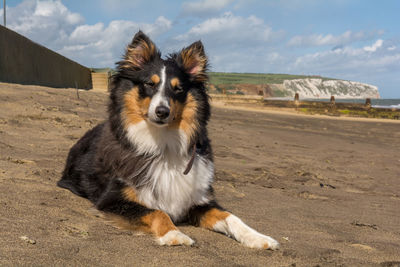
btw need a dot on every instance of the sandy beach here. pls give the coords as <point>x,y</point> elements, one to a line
<point>328,189</point>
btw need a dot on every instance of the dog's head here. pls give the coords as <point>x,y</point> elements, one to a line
<point>162,93</point>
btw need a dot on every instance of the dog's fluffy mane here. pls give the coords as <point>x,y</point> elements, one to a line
<point>129,73</point>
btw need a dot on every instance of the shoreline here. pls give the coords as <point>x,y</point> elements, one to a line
<point>235,102</point>
<point>307,109</point>
<point>290,111</point>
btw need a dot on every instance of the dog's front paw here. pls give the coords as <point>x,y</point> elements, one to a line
<point>257,240</point>
<point>175,238</point>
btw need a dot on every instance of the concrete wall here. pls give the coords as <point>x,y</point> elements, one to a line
<point>25,62</point>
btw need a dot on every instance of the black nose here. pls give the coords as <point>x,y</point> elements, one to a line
<point>162,112</point>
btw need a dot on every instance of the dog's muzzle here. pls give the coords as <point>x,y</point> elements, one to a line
<point>160,116</point>
<point>162,112</point>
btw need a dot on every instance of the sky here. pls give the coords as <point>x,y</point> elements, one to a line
<point>357,40</point>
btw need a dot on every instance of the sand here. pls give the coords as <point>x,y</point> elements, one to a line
<point>327,189</point>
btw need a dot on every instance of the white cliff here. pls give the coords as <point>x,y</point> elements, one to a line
<point>320,88</point>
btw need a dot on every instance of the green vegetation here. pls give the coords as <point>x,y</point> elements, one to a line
<point>367,113</point>
<point>373,113</point>
<point>279,93</point>
<point>218,78</point>
<point>344,111</point>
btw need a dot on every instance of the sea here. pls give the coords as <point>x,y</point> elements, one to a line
<point>375,103</point>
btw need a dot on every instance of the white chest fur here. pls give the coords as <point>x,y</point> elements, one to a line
<point>167,188</point>
<point>173,192</point>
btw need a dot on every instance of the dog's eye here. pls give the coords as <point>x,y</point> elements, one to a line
<point>178,89</point>
<point>150,84</point>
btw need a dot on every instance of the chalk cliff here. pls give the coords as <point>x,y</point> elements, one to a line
<point>322,88</point>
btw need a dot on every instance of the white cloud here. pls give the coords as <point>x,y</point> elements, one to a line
<point>233,43</point>
<point>231,31</point>
<point>160,26</point>
<point>103,46</point>
<point>51,24</point>
<point>374,47</point>
<point>256,61</point>
<point>86,33</point>
<point>347,37</point>
<point>349,62</point>
<point>46,22</point>
<point>204,7</point>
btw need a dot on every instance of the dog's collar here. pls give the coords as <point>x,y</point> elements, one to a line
<point>190,163</point>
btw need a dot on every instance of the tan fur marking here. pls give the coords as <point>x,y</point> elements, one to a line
<point>129,194</point>
<point>155,79</point>
<point>158,223</point>
<point>119,221</point>
<point>194,63</point>
<point>135,110</point>
<point>184,116</point>
<point>136,56</point>
<point>211,217</point>
<point>174,82</point>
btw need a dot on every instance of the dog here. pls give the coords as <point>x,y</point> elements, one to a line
<point>149,166</point>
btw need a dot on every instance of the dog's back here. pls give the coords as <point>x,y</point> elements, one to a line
<point>79,175</point>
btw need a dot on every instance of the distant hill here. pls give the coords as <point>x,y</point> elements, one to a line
<point>218,78</point>
<point>286,85</point>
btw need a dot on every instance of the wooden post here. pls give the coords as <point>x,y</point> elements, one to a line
<point>368,102</point>
<point>296,100</point>
<point>333,104</point>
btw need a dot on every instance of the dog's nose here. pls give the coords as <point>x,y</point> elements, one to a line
<point>162,112</point>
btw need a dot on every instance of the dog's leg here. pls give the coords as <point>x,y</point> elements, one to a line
<point>121,207</point>
<point>214,218</point>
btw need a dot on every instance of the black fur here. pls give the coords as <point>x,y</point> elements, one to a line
<point>112,201</point>
<point>104,161</point>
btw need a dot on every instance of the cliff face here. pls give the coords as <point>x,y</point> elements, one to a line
<point>287,85</point>
<point>319,88</point>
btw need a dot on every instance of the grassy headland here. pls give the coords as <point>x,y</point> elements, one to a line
<point>219,78</point>
<point>267,84</point>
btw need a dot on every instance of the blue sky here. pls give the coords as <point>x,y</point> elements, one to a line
<point>356,40</point>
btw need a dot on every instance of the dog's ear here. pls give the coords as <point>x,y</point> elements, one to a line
<point>194,62</point>
<point>139,52</point>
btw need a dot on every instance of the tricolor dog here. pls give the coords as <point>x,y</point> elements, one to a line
<point>149,166</point>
